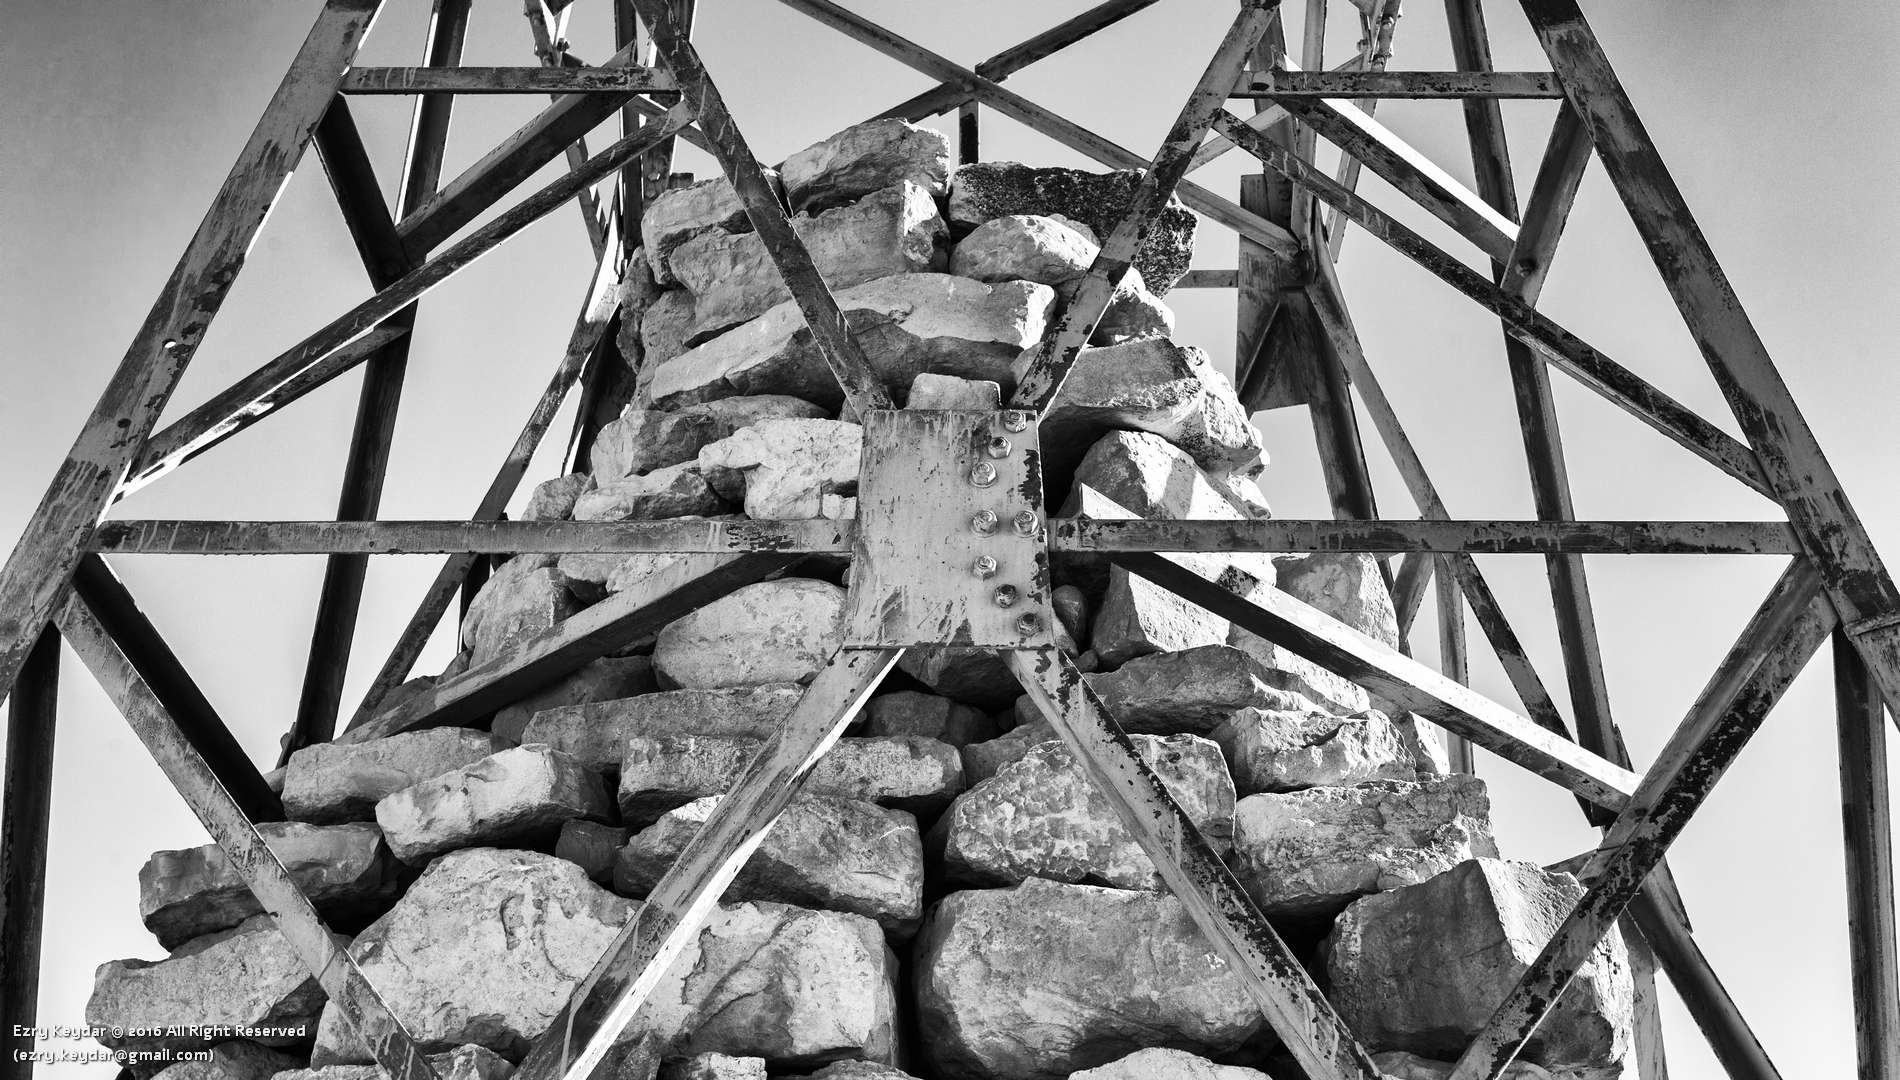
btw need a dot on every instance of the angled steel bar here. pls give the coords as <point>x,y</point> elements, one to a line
<point>1867,826</point>
<point>197,721</point>
<point>25,813</point>
<point>1415,575</point>
<point>609,999</point>
<point>36,575</point>
<point>485,537</point>
<point>1381,22</point>
<point>506,80</point>
<point>1056,354</point>
<point>387,258</point>
<point>1700,989</point>
<point>592,217</point>
<point>1034,116</point>
<point>862,388</point>
<point>1452,659</point>
<point>1269,114</point>
<point>1318,1039</point>
<point>1406,683</point>
<point>1468,85</point>
<point>586,342</point>
<point>667,594</point>
<point>1593,369</point>
<point>1790,456</point>
<point>268,385</point>
<point>388,1041</point>
<point>1790,625</point>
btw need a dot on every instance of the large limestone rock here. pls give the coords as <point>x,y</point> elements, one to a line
<point>1191,690</point>
<point>681,214</point>
<point>1423,967</point>
<point>866,158</point>
<point>1055,252</point>
<point>795,987</point>
<point>733,278</point>
<point>675,491</point>
<point>1349,588</point>
<point>332,782</point>
<point>244,978</point>
<point>1042,980</point>
<point>1043,817</point>
<point>713,1067</point>
<point>664,330</point>
<point>1158,1063</point>
<point>553,500</point>
<point>908,712</point>
<point>911,773</point>
<point>982,760</point>
<point>1292,749</point>
<point>519,796</point>
<point>790,465</point>
<point>344,869</point>
<point>932,391</point>
<point>642,440</point>
<point>824,852</point>
<point>907,324</point>
<point>987,190</point>
<point>597,734</point>
<point>729,415</point>
<point>1156,386</point>
<point>772,631</point>
<point>1307,854</point>
<point>463,1063</point>
<point>524,597</point>
<point>602,680</point>
<point>859,1070</point>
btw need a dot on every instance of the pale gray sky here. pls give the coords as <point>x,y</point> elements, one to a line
<point>1776,118</point>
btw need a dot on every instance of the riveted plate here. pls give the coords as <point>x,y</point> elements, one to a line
<point>915,577</point>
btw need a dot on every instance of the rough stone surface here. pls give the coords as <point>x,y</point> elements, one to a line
<point>908,712</point>
<point>1042,980</point>
<point>681,214</point>
<point>907,324</point>
<point>974,676</point>
<point>1156,386</point>
<point>237,1059</point>
<point>517,796</point>
<point>524,597</point>
<point>641,440</point>
<point>1422,968</point>
<point>553,500</point>
<point>592,846</point>
<point>859,1070</point>
<point>983,760</point>
<point>1191,690</point>
<point>824,852</point>
<point>790,465</point>
<point>734,278</point>
<point>664,328</point>
<point>1307,854</point>
<point>1345,585</point>
<point>597,734</point>
<point>463,1063</point>
<point>1288,750</point>
<point>603,680</point>
<point>660,773</point>
<point>987,190</point>
<point>713,1067</point>
<point>932,391</point>
<point>332,782</point>
<point>1050,250</point>
<point>1157,1063</point>
<point>243,978</point>
<point>772,631</point>
<point>1043,817</point>
<point>344,869</point>
<point>1399,1065</point>
<point>675,491</point>
<point>794,987</point>
<point>865,158</point>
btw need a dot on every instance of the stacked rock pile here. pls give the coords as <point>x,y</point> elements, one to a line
<point>949,898</point>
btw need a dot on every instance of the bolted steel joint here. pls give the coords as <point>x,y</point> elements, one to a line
<point>983,523</point>
<point>982,474</point>
<point>1000,447</point>
<point>1027,523</point>
<point>1006,596</point>
<point>1015,420</point>
<point>984,566</point>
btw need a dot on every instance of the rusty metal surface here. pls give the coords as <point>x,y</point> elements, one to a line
<point>1441,535</point>
<point>1399,84</point>
<point>506,80</point>
<point>938,541</point>
<point>183,537</point>
<point>1867,828</point>
<point>25,812</point>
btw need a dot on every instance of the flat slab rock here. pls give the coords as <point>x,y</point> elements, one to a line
<point>1057,252</point>
<point>1042,980</point>
<point>245,979</point>
<point>675,491</point>
<point>992,189</point>
<point>1294,749</point>
<point>462,1063</point>
<point>905,772</point>
<point>1188,691</point>
<point>237,1059</point>
<point>769,632</point>
<point>1042,817</point>
<point>791,986</point>
<point>525,596</point>
<point>1422,968</point>
<point>597,734</point>
<point>522,795</point>
<point>1156,386</point>
<point>865,158</point>
<point>344,869</point>
<point>1157,1063</point>
<point>789,466</point>
<point>713,1067</point>
<point>1307,854</point>
<point>333,782</point>
<point>680,214</point>
<point>605,679</point>
<point>824,852</point>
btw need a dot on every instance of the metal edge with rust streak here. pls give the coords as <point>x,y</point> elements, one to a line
<point>1398,84</point>
<point>388,1041</point>
<point>1867,830</point>
<point>478,537</point>
<point>1438,535</point>
<point>506,80</point>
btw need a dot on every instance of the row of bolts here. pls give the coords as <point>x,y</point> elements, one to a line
<point>985,522</point>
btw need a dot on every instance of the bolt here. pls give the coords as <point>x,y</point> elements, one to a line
<point>1006,596</point>
<point>1026,522</point>
<point>983,523</point>
<point>1028,625</point>
<point>984,567</point>
<point>1000,447</point>
<point>983,474</point>
<point>1015,420</point>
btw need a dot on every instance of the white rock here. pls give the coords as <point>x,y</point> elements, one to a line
<point>597,734</point>
<point>931,391</point>
<point>865,158</point>
<point>517,796</point>
<point>772,631</point>
<point>642,440</point>
<point>679,214</point>
<point>332,782</point>
<point>1155,386</point>
<point>790,465</point>
<point>553,500</point>
<point>906,772</point>
<point>1287,750</point>
<point>602,680</point>
<point>675,491</point>
<point>524,597</point>
<point>1157,1063</point>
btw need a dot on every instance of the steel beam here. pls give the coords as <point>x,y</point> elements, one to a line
<point>507,80</point>
<point>1867,827</point>
<point>1340,85</point>
<point>25,814</point>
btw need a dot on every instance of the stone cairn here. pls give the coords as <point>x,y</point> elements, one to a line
<point>949,898</point>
